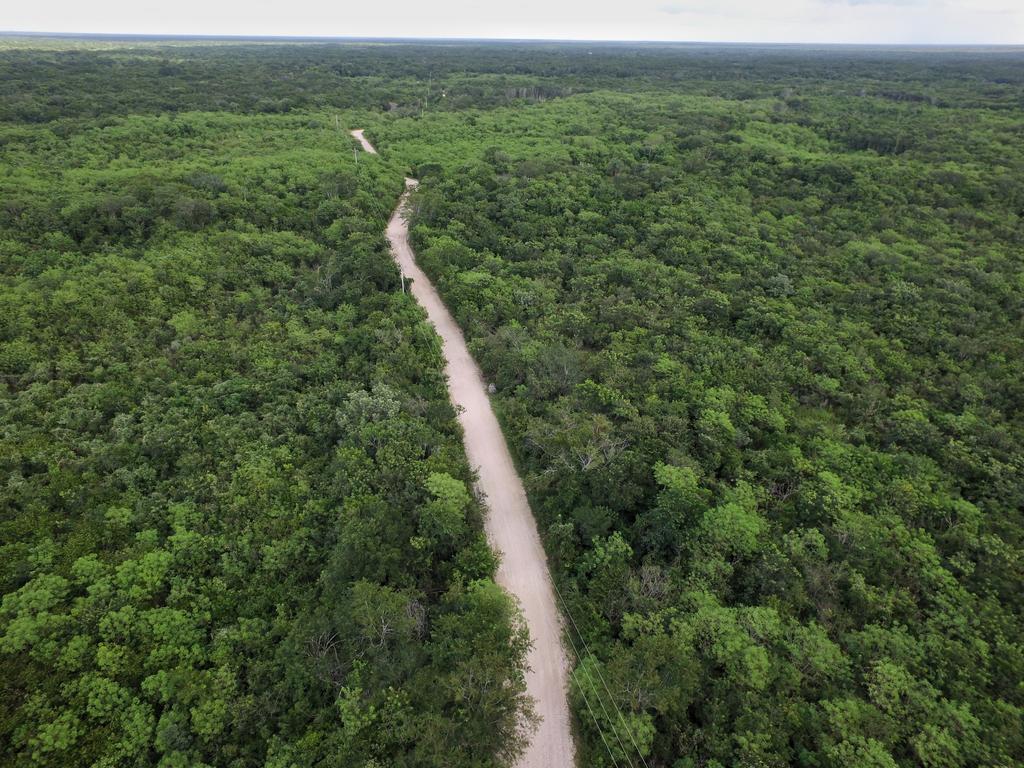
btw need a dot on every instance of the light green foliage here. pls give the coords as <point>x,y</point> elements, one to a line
<point>734,527</point>
<point>445,516</point>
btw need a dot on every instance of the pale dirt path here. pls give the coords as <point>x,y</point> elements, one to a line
<point>509,522</point>
<point>367,146</point>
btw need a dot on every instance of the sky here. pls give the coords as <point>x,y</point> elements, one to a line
<point>786,21</point>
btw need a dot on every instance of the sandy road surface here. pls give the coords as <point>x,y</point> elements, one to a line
<point>367,146</point>
<point>510,525</point>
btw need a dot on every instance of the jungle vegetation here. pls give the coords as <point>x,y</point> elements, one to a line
<point>236,519</point>
<point>755,320</point>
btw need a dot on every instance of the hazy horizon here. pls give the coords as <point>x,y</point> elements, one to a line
<point>818,22</point>
<point>200,36</point>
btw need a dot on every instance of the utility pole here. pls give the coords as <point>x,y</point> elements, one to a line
<point>430,79</point>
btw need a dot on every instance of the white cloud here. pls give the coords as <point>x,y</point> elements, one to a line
<point>835,21</point>
<point>883,2</point>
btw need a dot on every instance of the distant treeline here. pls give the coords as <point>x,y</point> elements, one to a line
<point>56,83</point>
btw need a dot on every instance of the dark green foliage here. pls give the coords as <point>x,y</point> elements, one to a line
<point>763,372</point>
<point>235,525</point>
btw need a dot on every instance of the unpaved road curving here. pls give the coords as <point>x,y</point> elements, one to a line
<point>367,146</point>
<point>510,525</point>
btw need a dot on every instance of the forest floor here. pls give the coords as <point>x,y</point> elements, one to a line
<point>510,525</point>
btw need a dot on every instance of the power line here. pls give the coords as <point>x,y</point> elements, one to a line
<point>583,640</point>
<point>611,698</point>
<point>575,651</point>
<point>597,723</point>
<point>615,731</point>
<point>599,700</point>
<point>598,726</point>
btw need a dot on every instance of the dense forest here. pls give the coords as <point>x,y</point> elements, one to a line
<point>236,519</point>
<point>755,321</point>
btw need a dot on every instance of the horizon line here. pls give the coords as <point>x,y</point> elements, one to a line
<point>469,39</point>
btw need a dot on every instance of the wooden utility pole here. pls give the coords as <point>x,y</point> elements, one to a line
<point>430,79</point>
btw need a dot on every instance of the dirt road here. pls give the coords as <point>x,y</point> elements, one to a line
<point>367,146</point>
<point>510,525</point>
